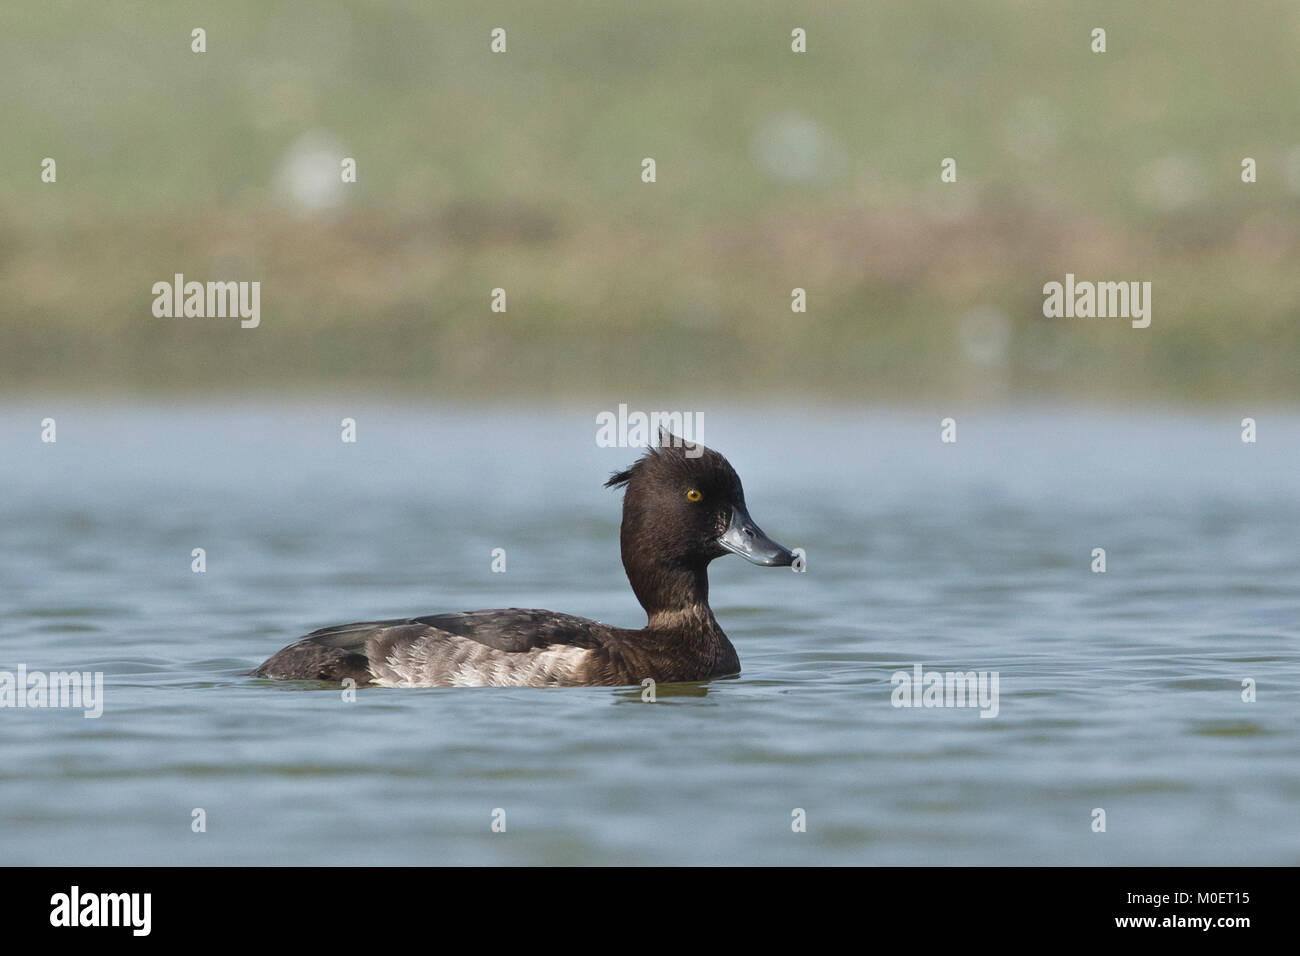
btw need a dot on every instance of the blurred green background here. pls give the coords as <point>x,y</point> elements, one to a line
<point>776,170</point>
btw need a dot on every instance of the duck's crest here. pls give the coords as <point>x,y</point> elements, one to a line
<point>669,444</point>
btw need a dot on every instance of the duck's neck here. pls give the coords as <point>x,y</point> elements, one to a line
<point>675,597</point>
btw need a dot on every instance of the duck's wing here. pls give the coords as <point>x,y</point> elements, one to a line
<point>516,646</point>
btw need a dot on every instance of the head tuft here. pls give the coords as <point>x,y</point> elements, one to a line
<point>620,478</point>
<point>676,459</point>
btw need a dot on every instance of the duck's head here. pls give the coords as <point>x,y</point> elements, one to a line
<point>684,506</point>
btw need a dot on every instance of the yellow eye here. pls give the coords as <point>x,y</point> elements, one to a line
<point>693,495</point>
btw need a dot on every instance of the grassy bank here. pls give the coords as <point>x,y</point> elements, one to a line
<point>775,170</point>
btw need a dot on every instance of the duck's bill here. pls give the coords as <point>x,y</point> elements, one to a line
<point>746,539</point>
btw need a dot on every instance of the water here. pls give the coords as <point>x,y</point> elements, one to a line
<point>1119,691</point>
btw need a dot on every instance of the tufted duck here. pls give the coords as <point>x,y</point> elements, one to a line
<point>683,507</point>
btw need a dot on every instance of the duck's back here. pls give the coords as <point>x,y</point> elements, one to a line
<point>510,647</point>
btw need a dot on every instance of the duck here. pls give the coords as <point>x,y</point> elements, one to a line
<point>683,506</point>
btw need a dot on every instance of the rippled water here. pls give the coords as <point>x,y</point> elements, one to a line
<point>1120,691</point>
